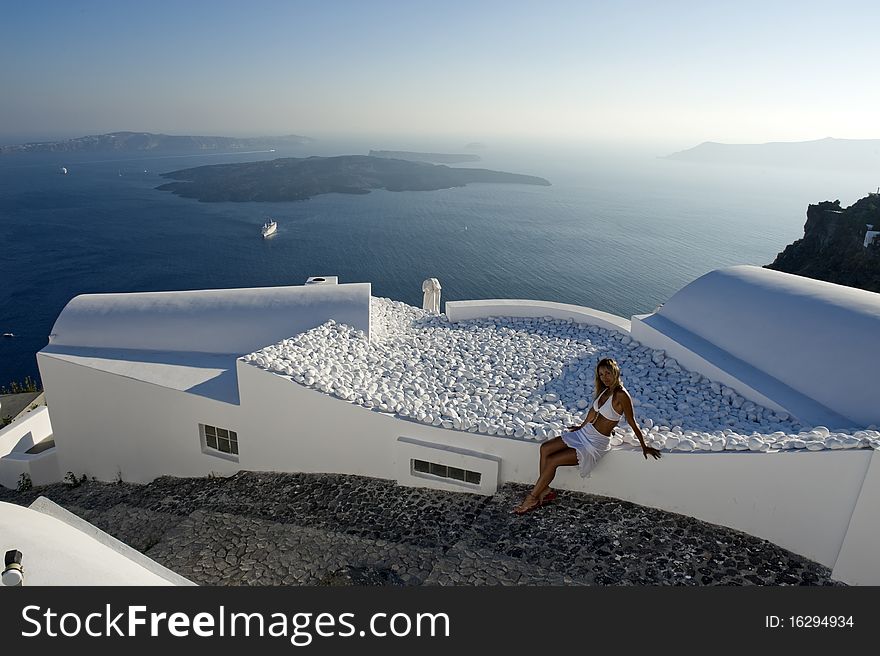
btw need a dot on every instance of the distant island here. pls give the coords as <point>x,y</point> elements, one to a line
<point>475,145</point>
<point>436,158</point>
<point>834,248</point>
<point>826,153</point>
<point>126,142</point>
<point>301,178</point>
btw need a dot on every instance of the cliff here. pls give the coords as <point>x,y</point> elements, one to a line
<point>832,248</point>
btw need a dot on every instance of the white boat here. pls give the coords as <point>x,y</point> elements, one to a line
<point>269,228</point>
<point>63,170</point>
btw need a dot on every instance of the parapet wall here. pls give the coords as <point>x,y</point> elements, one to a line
<point>483,309</point>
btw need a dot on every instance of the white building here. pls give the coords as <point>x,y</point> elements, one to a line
<point>870,235</point>
<point>144,385</point>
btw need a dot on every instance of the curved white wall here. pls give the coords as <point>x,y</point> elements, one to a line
<point>483,309</point>
<point>208,321</point>
<point>818,338</point>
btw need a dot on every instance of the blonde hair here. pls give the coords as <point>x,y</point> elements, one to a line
<point>608,363</point>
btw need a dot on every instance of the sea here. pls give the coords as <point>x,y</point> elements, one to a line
<point>619,230</point>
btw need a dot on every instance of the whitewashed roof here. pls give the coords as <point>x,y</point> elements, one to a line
<point>189,340</point>
<point>816,337</point>
<point>235,321</point>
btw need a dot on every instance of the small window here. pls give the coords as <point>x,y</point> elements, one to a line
<point>435,469</point>
<point>220,442</point>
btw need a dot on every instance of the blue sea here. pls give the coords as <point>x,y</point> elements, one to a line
<point>620,231</point>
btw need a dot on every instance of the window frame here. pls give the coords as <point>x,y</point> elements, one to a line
<point>209,433</point>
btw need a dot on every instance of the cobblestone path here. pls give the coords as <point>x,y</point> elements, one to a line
<point>321,529</point>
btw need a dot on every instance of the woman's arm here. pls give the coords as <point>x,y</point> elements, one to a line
<point>631,420</point>
<point>591,415</point>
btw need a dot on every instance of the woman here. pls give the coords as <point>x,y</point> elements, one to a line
<point>584,445</point>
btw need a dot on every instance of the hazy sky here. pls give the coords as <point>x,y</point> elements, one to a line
<point>615,70</point>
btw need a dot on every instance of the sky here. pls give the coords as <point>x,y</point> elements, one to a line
<point>612,71</point>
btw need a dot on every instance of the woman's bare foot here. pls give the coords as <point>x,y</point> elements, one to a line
<point>531,502</point>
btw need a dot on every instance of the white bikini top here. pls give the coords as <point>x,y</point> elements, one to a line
<point>607,410</point>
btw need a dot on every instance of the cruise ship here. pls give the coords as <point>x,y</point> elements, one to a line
<point>269,228</point>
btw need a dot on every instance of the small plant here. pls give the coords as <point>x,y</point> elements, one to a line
<point>24,482</point>
<point>119,476</point>
<point>71,480</point>
<point>5,421</point>
<point>28,385</point>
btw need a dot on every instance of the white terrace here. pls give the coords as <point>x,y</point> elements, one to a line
<point>756,384</point>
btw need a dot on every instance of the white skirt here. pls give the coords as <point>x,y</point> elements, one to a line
<point>590,446</point>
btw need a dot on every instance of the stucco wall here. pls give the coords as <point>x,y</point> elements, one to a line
<point>857,561</point>
<point>60,549</point>
<point>481,309</point>
<point>208,321</point>
<point>107,425</point>
<point>16,439</point>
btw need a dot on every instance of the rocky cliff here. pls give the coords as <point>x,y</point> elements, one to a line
<point>832,248</point>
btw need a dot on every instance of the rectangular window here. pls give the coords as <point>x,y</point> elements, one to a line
<point>445,471</point>
<point>220,442</point>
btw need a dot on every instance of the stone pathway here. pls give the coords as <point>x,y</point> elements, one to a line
<point>321,529</point>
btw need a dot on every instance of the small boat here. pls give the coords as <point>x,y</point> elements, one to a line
<point>63,170</point>
<point>269,228</point>
<point>9,334</point>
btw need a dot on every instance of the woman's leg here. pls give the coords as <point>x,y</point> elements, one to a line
<point>548,448</point>
<point>564,456</point>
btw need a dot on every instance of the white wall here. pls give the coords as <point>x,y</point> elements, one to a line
<point>16,439</point>
<point>482,309</point>
<point>857,562</point>
<point>56,550</point>
<point>107,425</point>
<point>208,321</point>
<point>295,428</point>
<point>801,501</point>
